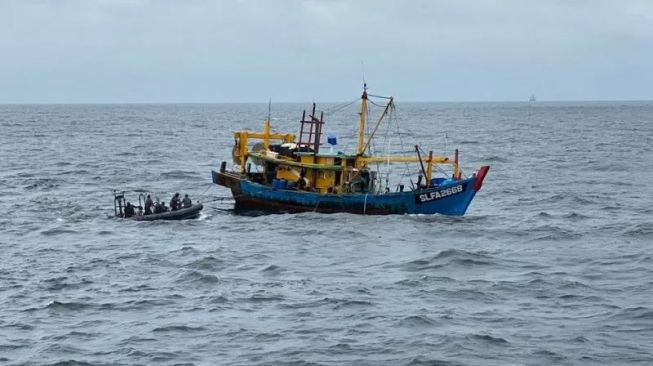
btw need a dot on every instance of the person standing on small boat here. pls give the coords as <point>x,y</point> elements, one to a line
<point>148,205</point>
<point>186,202</point>
<point>175,202</point>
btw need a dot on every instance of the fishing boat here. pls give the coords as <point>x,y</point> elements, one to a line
<point>293,174</point>
<point>120,210</point>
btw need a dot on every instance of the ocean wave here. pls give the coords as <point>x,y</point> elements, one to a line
<point>62,283</point>
<point>495,159</point>
<point>179,328</point>
<point>180,174</point>
<point>82,336</point>
<point>424,361</point>
<point>67,306</point>
<point>346,303</point>
<point>218,299</point>
<point>450,257</point>
<point>264,298</point>
<point>185,251</point>
<point>642,231</point>
<point>12,347</point>
<point>42,184</point>
<point>417,321</point>
<point>138,304</point>
<point>19,326</point>
<point>71,363</point>
<point>486,338</point>
<point>135,339</point>
<point>550,355</point>
<point>638,313</point>
<point>198,277</point>
<point>138,288</point>
<point>210,263</point>
<point>552,232</point>
<point>272,270</point>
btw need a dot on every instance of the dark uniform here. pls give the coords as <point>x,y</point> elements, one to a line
<point>129,210</point>
<point>174,202</point>
<point>186,202</point>
<point>148,205</point>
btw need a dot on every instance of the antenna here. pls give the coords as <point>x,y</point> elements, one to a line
<point>363,71</point>
<point>269,108</point>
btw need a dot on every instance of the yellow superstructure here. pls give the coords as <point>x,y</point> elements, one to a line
<point>327,173</point>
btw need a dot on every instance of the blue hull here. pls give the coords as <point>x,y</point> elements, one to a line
<point>448,199</point>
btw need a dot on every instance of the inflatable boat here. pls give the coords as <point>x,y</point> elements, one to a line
<point>125,210</point>
<point>191,212</point>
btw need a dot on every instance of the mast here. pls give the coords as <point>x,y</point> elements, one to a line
<point>266,127</point>
<point>361,122</point>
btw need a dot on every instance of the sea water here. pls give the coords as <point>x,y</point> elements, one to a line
<point>553,263</point>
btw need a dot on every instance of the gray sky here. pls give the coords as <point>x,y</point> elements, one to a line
<point>62,51</point>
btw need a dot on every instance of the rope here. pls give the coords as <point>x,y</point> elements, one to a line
<point>339,107</point>
<point>375,104</point>
<point>207,188</point>
<point>378,96</point>
<point>219,199</point>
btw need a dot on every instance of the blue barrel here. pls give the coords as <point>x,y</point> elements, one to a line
<point>283,184</point>
<point>447,182</point>
<point>437,182</point>
<point>275,183</point>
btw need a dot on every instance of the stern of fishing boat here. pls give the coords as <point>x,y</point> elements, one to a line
<point>227,179</point>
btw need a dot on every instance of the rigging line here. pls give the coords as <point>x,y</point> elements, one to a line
<point>378,96</point>
<point>422,151</point>
<point>385,112</point>
<point>219,199</point>
<point>207,188</point>
<point>386,143</point>
<point>339,107</point>
<point>376,104</point>
<point>401,141</point>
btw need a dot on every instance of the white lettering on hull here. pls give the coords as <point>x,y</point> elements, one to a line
<point>439,194</point>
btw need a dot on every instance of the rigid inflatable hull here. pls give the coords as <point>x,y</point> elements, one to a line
<point>191,212</point>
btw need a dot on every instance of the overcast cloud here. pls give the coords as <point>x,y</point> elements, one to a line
<point>229,51</point>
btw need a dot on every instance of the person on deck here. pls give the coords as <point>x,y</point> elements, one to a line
<point>301,182</point>
<point>148,205</point>
<point>129,210</point>
<point>365,180</point>
<point>174,202</point>
<point>186,202</point>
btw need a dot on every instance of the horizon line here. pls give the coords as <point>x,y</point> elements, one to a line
<point>329,102</point>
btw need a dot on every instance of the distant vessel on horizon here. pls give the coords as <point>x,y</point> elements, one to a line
<point>532,98</point>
